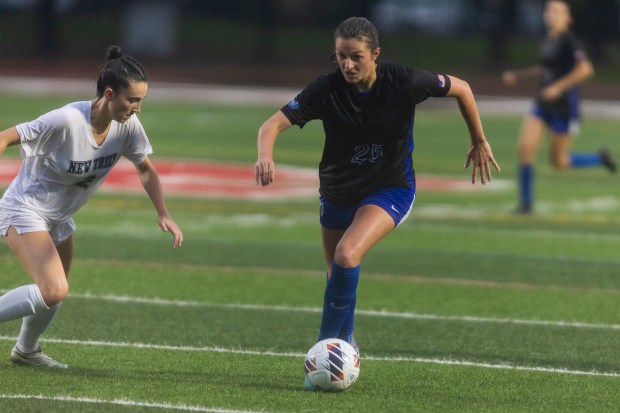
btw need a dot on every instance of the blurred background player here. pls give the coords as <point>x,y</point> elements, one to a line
<point>367,182</point>
<point>67,154</point>
<point>563,65</point>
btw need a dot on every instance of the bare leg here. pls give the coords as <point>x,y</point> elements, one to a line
<point>532,131</point>
<point>331,238</point>
<point>36,303</point>
<point>344,250</point>
<point>38,255</point>
<point>559,153</point>
<point>34,326</point>
<point>370,225</point>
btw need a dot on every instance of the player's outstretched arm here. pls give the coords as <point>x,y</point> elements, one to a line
<point>267,135</point>
<point>8,137</point>
<point>479,153</point>
<point>582,71</point>
<point>511,78</point>
<point>152,186</point>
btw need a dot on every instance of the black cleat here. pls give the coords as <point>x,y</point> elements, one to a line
<point>524,209</point>
<point>608,161</point>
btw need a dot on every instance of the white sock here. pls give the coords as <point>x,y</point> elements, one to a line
<point>21,302</point>
<point>33,326</point>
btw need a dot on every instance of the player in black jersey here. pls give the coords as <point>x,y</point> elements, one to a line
<point>367,183</point>
<point>563,66</point>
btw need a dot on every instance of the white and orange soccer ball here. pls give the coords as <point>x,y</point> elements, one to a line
<point>331,365</point>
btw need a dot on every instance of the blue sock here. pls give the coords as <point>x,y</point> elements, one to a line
<point>339,300</point>
<point>346,331</point>
<point>526,184</point>
<point>585,160</point>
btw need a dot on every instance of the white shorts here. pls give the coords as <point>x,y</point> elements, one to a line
<point>25,220</point>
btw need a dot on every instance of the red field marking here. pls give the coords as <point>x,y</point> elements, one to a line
<point>224,180</point>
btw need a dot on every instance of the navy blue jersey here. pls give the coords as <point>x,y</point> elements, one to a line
<point>558,56</point>
<point>368,136</point>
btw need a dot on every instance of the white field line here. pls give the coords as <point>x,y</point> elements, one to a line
<point>257,95</point>
<point>358,312</point>
<point>122,402</point>
<point>208,349</point>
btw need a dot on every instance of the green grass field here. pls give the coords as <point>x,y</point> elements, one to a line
<point>466,307</point>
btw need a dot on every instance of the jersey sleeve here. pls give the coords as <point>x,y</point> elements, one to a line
<point>425,84</point>
<point>576,47</point>
<point>138,146</point>
<point>307,105</point>
<point>35,135</point>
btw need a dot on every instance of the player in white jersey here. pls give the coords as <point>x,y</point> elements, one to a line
<point>67,154</point>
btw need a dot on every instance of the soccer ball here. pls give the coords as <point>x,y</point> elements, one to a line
<point>332,365</point>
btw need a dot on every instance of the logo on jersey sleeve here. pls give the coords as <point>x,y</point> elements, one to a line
<point>442,81</point>
<point>580,55</point>
<point>293,104</point>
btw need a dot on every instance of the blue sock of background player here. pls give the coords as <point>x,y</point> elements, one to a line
<point>585,160</point>
<point>577,160</point>
<point>339,303</point>
<point>526,186</point>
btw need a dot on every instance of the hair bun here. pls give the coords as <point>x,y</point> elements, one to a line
<point>118,71</point>
<point>114,52</point>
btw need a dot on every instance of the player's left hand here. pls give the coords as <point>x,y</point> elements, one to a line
<point>481,157</point>
<point>265,171</point>
<point>166,223</point>
<point>509,78</point>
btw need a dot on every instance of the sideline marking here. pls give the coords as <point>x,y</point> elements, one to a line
<point>210,179</point>
<point>369,313</point>
<point>260,95</point>
<point>123,402</point>
<point>208,349</point>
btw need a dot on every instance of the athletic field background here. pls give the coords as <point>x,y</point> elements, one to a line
<point>465,307</point>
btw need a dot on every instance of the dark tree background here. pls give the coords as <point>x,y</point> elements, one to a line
<point>596,21</point>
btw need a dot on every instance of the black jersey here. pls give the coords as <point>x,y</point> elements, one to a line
<point>368,136</point>
<point>558,56</point>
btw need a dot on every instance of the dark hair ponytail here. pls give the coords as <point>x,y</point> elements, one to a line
<point>118,71</point>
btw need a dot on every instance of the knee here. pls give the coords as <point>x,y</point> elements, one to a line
<point>54,293</point>
<point>560,162</point>
<point>347,257</point>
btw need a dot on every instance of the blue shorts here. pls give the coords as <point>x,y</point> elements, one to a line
<point>568,124</point>
<point>557,124</point>
<point>397,202</point>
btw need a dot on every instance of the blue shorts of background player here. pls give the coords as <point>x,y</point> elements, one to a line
<point>560,125</point>
<point>397,202</point>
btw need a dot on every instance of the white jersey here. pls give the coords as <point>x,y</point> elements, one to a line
<point>63,165</point>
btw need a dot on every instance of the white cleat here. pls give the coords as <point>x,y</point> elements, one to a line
<point>35,359</point>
